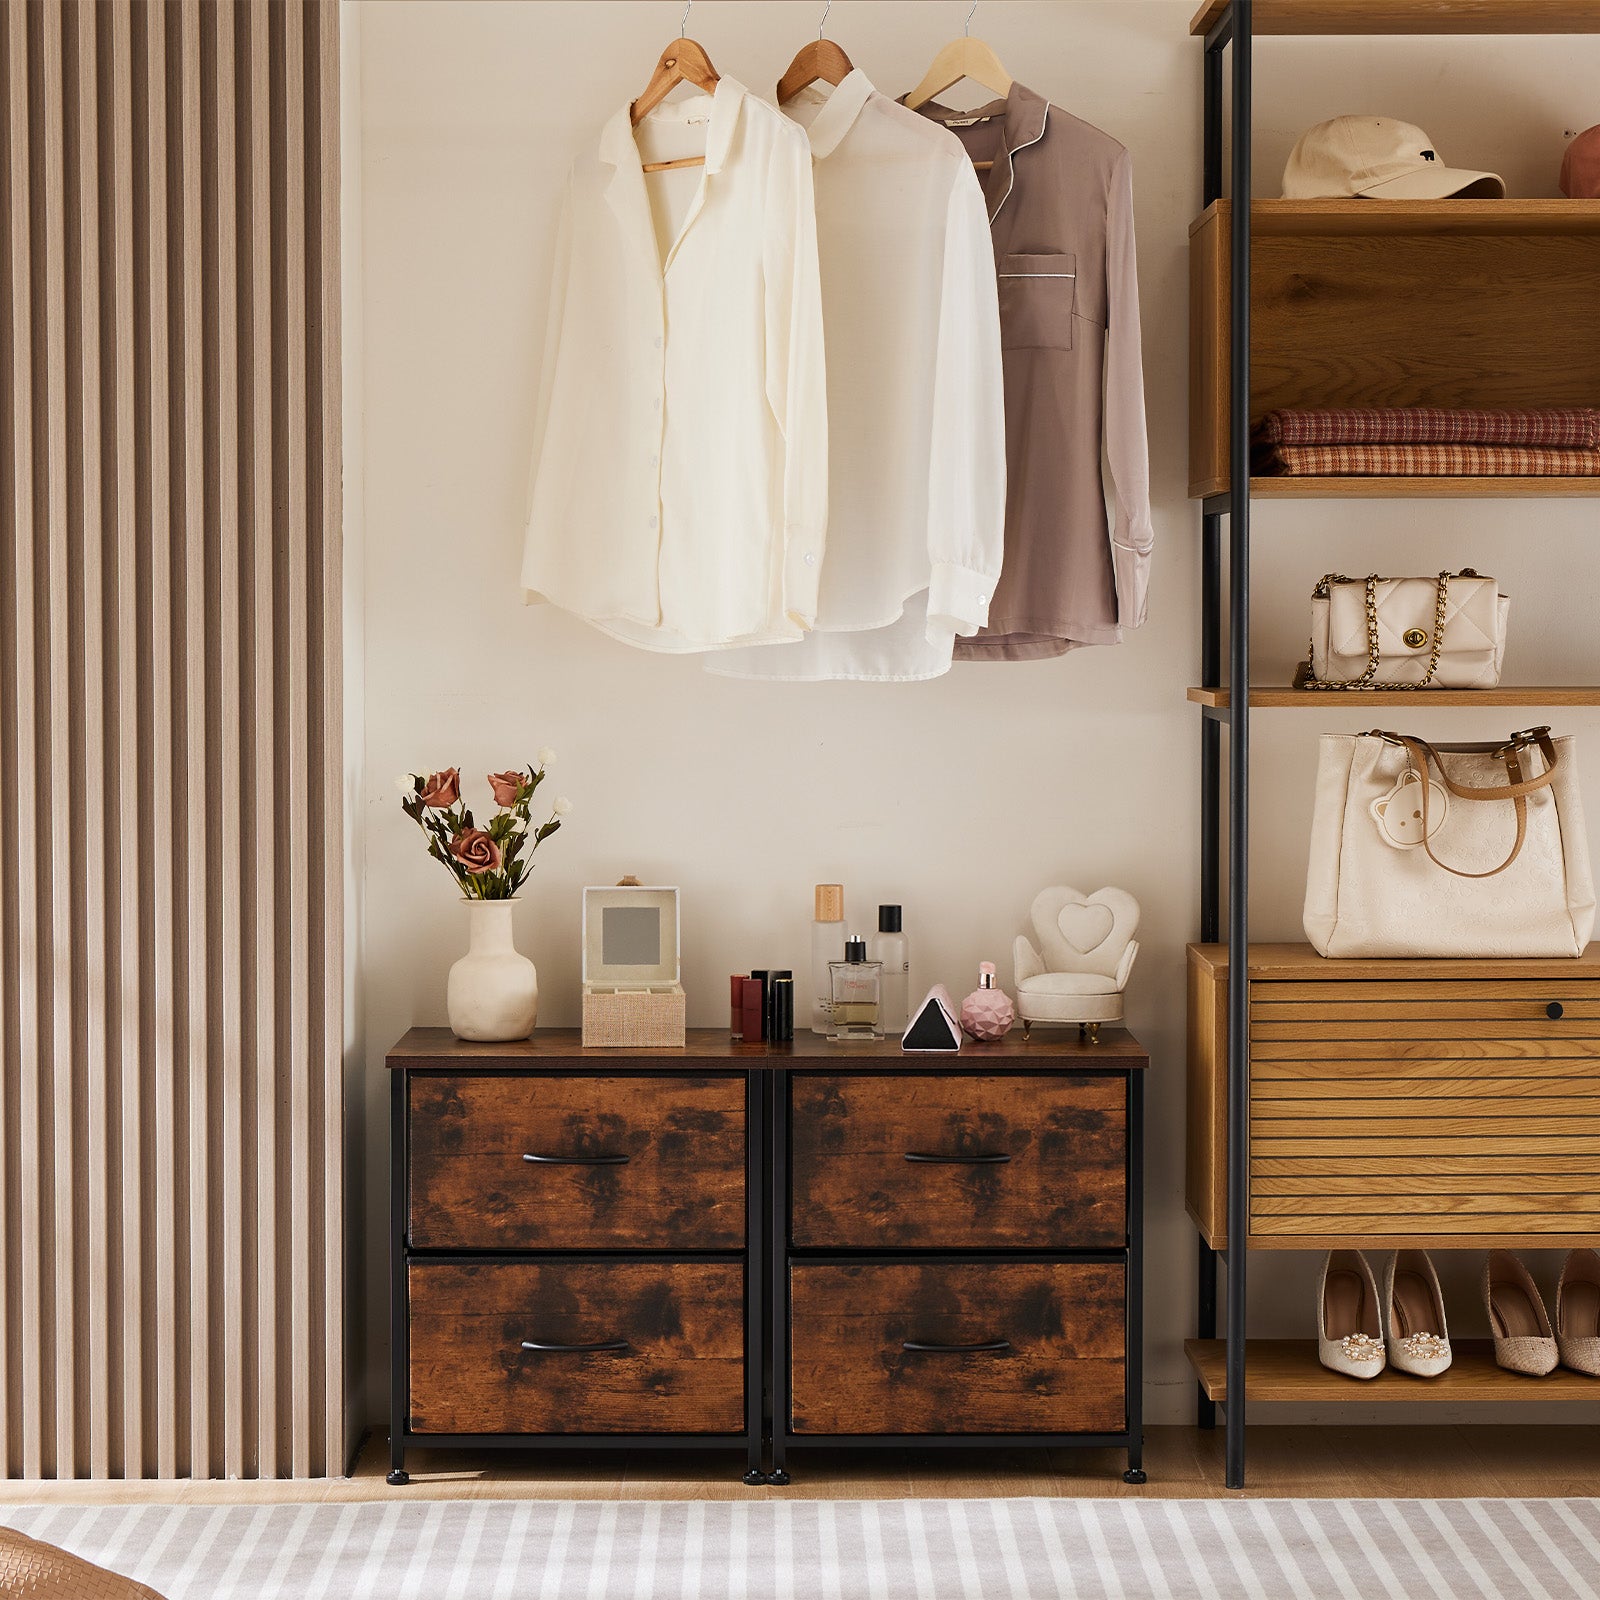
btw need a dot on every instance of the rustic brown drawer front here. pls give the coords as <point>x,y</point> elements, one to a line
<point>1452,1112</point>
<point>577,1163</point>
<point>676,1328</point>
<point>1061,1369</point>
<point>961,1162</point>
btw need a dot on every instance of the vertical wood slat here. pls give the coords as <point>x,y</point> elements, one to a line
<point>171,1166</point>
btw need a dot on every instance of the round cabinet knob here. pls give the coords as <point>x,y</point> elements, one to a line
<point>1554,1010</point>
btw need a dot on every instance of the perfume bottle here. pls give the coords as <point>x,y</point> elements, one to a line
<point>987,1013</point>
<point>827,931</point>
<point>889,946</point>
<point>857,993</point>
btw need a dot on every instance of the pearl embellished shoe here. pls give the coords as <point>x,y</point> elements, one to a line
<point>1349,1331</point>
<point>1578,1312</point>
<point>1523,1341</point>
<point>1415,1334</point>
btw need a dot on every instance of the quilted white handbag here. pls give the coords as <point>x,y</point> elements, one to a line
<point>1448,850</point>
<point>1447,632</point>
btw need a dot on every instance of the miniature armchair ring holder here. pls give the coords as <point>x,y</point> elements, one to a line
<point>1081,964</point>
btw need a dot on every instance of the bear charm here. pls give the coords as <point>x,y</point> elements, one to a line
<point>1399,813</point>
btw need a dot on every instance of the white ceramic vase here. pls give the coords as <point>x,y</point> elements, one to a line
<point>493,992</point>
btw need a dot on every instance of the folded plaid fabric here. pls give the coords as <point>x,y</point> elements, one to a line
<point>1572,427</point>
<point>1426,461</point>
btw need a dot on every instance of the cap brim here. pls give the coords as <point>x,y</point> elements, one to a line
<point>1432,182</point>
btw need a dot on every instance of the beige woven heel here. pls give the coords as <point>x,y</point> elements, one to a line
<point>1523,1341</point>
<point>1578,1312</point>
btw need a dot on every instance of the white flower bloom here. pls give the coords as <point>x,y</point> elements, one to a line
<point>547,757</point>
<point>406,783</point>
<point>562,806</point>
<point>519,824</point>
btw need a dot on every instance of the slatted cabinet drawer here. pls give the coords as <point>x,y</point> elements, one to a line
<point>959,1347</point>
<point>576,1163</point>
<point>962,1161</point>
<point>563,1347</point>
<point>1401,1109</point>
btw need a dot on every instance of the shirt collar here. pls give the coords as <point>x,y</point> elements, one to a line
<point>1026,117</point>
<point>838,113</point>
<point>619,148</point>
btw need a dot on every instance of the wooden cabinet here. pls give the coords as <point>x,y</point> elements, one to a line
<point>576,1248</point>
<point>957,1247</point>
<point>809,1242</point>
<point>1400,1103</point>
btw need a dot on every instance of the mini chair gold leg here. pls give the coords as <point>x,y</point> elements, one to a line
<point>1026,1025</point>
<point>1094,1033</point>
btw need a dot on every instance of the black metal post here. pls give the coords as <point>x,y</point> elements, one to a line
<point>399,1322</point>
<point>1239,745</point>
<point>778,1274</point>
<point>755,1281</point>
<point>1135,1306</point>
<point>1211,676</point>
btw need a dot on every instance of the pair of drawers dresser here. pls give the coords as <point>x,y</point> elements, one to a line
<point>766,1247</point>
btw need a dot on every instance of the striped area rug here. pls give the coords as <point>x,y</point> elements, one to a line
<point>813,1550</point>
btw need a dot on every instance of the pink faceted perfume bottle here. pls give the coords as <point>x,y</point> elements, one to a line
<point>987,1013</point>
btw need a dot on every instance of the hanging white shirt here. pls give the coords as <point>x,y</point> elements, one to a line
<point>680,470</point>
<point>916,402</point>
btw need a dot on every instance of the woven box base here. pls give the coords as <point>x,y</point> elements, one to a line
<point>636,1019</point>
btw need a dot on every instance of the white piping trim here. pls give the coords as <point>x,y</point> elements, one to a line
<point>1036,274</point>
<point>1011,169</point>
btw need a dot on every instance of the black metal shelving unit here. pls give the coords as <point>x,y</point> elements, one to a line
<point>1228,88</point>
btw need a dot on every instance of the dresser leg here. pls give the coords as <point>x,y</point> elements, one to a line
<point>1135,1472</point>
<point>397,1465</point>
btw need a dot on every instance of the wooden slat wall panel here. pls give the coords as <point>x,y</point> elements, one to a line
<point>171,1127</point>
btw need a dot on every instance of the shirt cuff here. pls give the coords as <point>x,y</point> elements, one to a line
<point>1131,567</point>
<point>802,574</point>
<point>958,597</point>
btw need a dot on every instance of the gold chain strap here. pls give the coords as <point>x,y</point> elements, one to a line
<point>1306,678</point>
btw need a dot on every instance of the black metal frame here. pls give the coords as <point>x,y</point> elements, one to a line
<point>781,1253</point>
<point>751,1440</point>
<point>1232,33</point>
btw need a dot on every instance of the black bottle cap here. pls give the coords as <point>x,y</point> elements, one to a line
<point>780,972</point>
<point>888,919</point>
<point>855,950</point>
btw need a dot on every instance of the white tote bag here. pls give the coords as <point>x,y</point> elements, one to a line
<point>1448,850</point>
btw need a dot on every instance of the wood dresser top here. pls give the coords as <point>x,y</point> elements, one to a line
<point>1299,962</point>
<point>1049,1050</point>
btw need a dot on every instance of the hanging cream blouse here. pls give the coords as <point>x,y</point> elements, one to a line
<point>680,468</point>
<point>916,403</point>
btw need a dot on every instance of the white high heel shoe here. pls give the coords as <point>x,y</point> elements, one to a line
<point>1415,1333</point>
<point>1349,1329</point>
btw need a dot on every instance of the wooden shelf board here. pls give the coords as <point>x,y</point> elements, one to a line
<point>1268,698</point>
<point>1288,1369</point>
<point>1287,219</point>
<point>1411,16</point>
<point>1424,488</point>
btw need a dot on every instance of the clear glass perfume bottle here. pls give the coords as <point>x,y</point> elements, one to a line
<point>889,946</point>
<point>857,993</point>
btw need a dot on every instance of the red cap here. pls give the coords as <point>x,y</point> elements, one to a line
<point>1580,171</point>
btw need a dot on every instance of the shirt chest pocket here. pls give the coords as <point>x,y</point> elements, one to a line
<point>1038,295</point>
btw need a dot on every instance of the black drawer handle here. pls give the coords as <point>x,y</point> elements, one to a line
<point>992,1158</point>
<point>575,1161</point>
<point>574,1349</point>
<point>1554,1010</point>
<point>916,1347</point>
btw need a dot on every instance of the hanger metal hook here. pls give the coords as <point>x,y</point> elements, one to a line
<point>824,23</point>
<point>967,26</point>
<point>688,6</point>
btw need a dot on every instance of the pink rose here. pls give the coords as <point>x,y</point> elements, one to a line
<point>442,789</point>
<point>476,851</point>
<point>507,786</point>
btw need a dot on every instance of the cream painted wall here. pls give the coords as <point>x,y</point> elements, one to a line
<point>961,797</point>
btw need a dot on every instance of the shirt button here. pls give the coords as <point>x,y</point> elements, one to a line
<point>652,522</point>
<point>655,405</point>
<point>655,461</point>
<point>983,599</point>
<point>658,341</point>
<point>811,560</point>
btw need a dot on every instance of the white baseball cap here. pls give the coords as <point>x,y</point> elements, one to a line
<point>1380,157</point>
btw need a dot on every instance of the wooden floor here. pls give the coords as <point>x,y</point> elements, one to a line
<point>1316,1462</point>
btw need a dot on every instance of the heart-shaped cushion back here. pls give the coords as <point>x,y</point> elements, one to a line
<point>1080,932</point>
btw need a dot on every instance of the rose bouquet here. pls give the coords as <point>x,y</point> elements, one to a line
<point>491,862</point>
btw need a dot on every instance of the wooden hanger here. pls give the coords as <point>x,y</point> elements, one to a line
<point>965,57</point>
<point>683,61</point>
<point>821,59</point>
